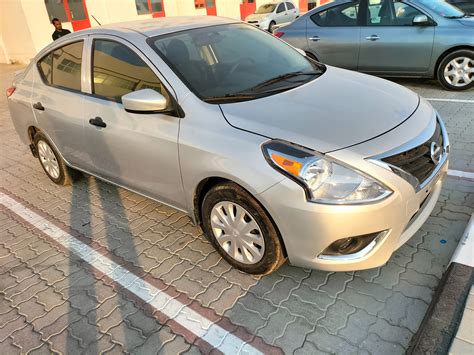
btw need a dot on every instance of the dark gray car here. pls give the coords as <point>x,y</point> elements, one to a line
<point>417,38</point>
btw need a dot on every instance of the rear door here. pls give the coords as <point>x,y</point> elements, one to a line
<point>57,99</point>
<point>333,35</point>
<point>391,43</point>
<point>138,151</point>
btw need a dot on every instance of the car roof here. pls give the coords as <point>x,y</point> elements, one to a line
<point>163,25</point>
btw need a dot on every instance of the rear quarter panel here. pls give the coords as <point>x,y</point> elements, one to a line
<point>295,33</point>
<point>449,37</point>
<point>19,104</point>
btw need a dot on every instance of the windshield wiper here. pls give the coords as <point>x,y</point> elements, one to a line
<point>456,17</point>
<point>279,78</point>
<point>231,97</point>
<point>253,92</point>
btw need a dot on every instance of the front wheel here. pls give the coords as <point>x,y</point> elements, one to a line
<point>456,70</point>
<point>241,230</point>
<point>271,26</point>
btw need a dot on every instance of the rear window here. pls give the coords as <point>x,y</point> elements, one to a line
<point>62,67</point>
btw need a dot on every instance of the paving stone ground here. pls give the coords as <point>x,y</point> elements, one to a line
<point>51,301</point>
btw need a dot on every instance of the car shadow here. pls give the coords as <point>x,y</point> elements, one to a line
<point>101,222</point>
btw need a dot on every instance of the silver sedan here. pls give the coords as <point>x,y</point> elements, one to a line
<point>407,38</point>
<point>275,155</point>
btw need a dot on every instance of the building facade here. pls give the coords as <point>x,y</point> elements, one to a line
<point>25,25</point>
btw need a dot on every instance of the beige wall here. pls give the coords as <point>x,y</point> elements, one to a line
<point>25,28</point>
<point>228,8</point>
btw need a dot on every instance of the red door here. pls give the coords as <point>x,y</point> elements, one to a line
<point>246,8</point>
<point>157,8</point>
<point>211,8</point>
<point>303,5</point>
<point>76,12</point>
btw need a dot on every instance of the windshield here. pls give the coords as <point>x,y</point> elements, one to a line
<point>265,9</point>
<point>235,62</point>
<point>442,8</point>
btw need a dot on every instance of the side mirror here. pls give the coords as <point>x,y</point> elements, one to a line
<point>421,20</point>
<point>144,101</point>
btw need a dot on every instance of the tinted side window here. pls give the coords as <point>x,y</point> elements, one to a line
<point>390,13</point>
<point>67,62</point>
<point>281,8</point>
<point>290,6</point>
<point>117,71</point>
<point>62,67</point>
<point>142,7</point>
<point>338,16</point>
<point>45,67</point>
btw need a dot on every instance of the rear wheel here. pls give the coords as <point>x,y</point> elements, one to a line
<point>456,70</point>
<point>51,162</point>
<point>241,230</point>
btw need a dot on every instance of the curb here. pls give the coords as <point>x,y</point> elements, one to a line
<point>442,319</point>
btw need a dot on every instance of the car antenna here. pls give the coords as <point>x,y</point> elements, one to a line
<point>96,20</point>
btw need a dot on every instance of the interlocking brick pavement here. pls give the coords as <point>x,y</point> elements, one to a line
<point>52,301</point>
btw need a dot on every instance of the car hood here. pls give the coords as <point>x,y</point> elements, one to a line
<point>339,109</point>
<point>467,21</point>
<point>257,17</point>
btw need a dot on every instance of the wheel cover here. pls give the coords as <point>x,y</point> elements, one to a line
<point>237,232</point>
<point>48,159</point>
<point>459,72</point>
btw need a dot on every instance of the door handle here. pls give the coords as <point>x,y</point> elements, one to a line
<point>314,38</point>
<point>372,38</point>
<point>97,121</point>
<point>38,106</point>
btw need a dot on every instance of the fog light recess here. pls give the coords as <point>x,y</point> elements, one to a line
<point>352,247</point>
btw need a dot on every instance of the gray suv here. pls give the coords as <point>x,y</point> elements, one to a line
<point>408,38</point>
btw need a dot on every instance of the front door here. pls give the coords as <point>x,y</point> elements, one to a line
<point>211,8</point>
<point>303,6</point>
<point>77,14</point>
<point>157,8</point>
<point>333,35</point>
<point>247,7</point>
<point>138,151</point>
<point>391,43</point>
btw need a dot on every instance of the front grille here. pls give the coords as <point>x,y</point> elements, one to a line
<point>418,161</point>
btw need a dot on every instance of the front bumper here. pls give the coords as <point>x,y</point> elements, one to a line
<point>263,24</point>
<point>309,228</point>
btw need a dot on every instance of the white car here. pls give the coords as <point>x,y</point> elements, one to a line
<point>271,14</point>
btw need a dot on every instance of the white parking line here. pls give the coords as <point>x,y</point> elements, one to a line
<point>461,174</point>
<point>194,322</point>
<point>451,100</point>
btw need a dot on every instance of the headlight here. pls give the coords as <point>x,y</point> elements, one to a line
<point>324,180</point>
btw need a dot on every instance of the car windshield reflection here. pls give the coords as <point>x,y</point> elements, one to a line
<point>228,60</point>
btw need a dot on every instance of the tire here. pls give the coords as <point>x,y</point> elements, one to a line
<point>270,26</point>
<point>51,162</point>
<point>464,58</point>
<point>264,253</point>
